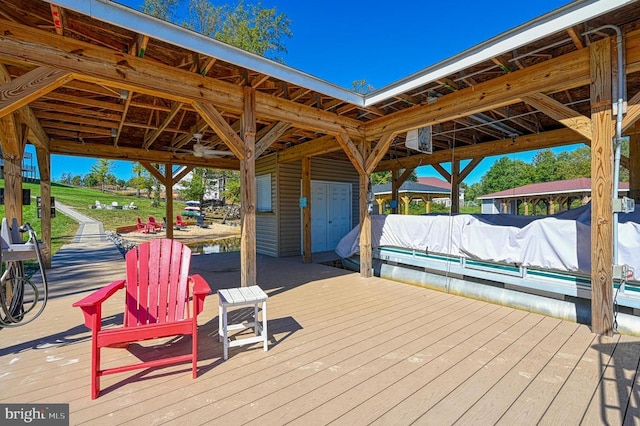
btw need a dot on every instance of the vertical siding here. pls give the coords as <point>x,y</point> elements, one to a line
<point>267,222</point>
<point>289,178</point>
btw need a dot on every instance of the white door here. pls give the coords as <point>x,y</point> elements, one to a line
<point>330,214</point>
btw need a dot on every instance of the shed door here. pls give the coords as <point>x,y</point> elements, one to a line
<point>330,214</point>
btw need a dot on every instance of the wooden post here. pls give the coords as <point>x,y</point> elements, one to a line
<point>406,200</point>
<point>601,188</point>
<point>526,208</point>
<point>634,164</point>
<point>366,257</point>
<point>44,167</point>
<point>306,211</point>
<point>366,262</point>
<point>12,140</point>
<point>395,185</point>
<point>552,205</point>
<point>455,186</point>
<point>168,184</point>
<point>248,188</point>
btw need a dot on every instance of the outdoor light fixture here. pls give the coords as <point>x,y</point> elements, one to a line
<point>124,94</point>
<point>114,133</point>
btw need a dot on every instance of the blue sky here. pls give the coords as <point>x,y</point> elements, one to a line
<point>345,40</point>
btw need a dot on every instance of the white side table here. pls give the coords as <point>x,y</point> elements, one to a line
<point>242,296</point>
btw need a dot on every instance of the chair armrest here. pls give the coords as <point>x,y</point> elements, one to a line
<point>200,290</point>
<point>92,305</point>
<point>101,295</point>
<point>200,285</point>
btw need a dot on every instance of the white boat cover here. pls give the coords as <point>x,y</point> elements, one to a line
<point>561,242</point>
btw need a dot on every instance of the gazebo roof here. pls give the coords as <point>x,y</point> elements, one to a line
<point>568,186</point>
<point>410,187</point>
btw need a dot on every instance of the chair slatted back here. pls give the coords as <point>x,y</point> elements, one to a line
<point>157,283</point>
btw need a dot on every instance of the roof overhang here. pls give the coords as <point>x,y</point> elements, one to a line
<point>125,17</point>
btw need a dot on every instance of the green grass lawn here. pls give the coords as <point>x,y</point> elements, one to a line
<point>63,228</point>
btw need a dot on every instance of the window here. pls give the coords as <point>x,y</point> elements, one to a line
<point>263,193</point>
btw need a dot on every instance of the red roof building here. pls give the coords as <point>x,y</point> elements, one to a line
<point>543,195</point>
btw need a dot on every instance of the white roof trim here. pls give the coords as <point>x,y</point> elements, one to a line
<point>123,16</point>
<point>564,17</point>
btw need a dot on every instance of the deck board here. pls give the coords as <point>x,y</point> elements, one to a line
<point>343,350</point>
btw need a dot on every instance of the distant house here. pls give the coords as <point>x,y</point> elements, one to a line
<point>544,195</point>
<point>214,190</point>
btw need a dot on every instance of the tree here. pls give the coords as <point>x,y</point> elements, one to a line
<point>101,171</point>
<point>159,8</point>
<point>362,86</point>
<point>546,166</point>
<point>574,164</point>
<point>196,187</point>
<point>250,27</point>
<point>140,175</point>
<point>506,174</point>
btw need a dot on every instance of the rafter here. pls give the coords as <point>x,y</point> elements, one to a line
<point>30,86</point>
<point>150,138</point>
<point>216,121</point>
<point>319,146</point>
<point>559,112</point>
<point>272,135</point>
<point>98,64</point>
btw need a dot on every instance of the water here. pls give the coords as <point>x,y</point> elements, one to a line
<point>223,245</point>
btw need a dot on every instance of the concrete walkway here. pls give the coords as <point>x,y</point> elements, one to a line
<point>89,262</point>
<point>90,231</point>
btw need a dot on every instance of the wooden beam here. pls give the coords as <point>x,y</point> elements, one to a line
<point>366,257</point>
<point>633,112</point>
<point>352,152</point>
<point>505,146</point>
<point>306,211</point>
<point>153,170</point>
<point>378,152</point>
<point>319,146</point>
<point>37,136</point>
<point>469,168</point>
<point>57,14</point>
<point>574,33</point>
<point>248,188</point>
<point>565,115</point>
<point>105,66</point>
<point>274,133</point>
<point>445,174</point>
<point>29,87</point>
<point>601,188</point>
<point>455,186</point>
<point>44,168</point>
<point>168,184</point>
<point>150,139</point>
<point>216,121</point>
<point>185,171</point>
<point>137,154</point>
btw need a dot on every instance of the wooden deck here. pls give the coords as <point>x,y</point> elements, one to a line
<point>343,350</point>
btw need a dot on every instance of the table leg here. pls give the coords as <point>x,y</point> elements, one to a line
<point>264,324</point>
<point>224,332</point>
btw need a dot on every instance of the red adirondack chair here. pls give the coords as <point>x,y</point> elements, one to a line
<point>142,226</point>
<point>153,225</point>
<point>161,300</point>
<point>181,223</point>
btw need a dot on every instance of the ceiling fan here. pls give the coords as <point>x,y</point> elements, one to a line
<point>200,150</point>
